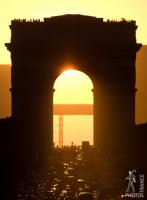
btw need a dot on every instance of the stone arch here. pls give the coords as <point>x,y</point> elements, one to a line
<point>105,51</point>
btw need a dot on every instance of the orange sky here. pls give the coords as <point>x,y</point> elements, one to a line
<point>108,9</point>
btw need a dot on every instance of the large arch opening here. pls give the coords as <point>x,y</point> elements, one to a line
<point>73,95</point>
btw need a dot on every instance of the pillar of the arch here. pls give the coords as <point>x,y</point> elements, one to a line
<point>32,111</point>
<point>34,126</point>
<point>112,119</point>
<point>114,106</point>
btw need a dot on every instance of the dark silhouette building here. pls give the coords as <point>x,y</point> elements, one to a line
<point>41,50</point>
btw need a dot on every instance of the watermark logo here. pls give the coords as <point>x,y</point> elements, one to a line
<point>135,187</point>
<point>132,179</point>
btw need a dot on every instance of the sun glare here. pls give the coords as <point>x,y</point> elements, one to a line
<point>71,87</point>
<point>69,72</point>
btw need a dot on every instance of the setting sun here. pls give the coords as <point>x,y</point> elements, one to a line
<point>69,72</point>
<point>71,87</point>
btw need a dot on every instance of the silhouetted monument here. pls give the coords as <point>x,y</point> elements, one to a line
<point>105,51</point>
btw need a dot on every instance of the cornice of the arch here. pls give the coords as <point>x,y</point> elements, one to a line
<point>71,47</point>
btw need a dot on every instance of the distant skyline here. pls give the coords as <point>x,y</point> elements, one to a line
<point>110,9</point>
